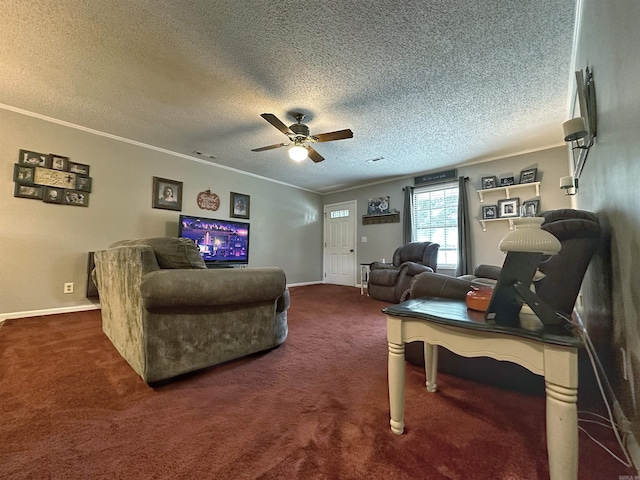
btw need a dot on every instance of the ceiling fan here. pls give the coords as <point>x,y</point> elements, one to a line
<point>299,138</point>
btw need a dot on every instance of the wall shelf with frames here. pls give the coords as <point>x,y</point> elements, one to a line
<point>392,217</point>
<point>484,222</point>
<point>507,191</point>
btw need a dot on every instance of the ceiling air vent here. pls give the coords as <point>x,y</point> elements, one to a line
<point>374,160</point>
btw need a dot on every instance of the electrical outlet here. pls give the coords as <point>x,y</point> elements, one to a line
<point>68,287</point>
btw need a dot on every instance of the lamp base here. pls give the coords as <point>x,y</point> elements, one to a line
<point>529,320</point>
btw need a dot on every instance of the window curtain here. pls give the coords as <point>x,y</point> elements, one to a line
<point>407,215</point>
<point>464,230</point>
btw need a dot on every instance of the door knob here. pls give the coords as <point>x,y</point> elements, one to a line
<point>351,250</point>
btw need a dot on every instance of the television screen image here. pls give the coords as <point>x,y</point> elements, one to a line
<point>221,242</point>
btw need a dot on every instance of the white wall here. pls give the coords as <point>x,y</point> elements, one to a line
<point>43,245</point>
<point>383,239</point>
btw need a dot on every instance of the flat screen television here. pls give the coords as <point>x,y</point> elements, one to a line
<point>221,242</point>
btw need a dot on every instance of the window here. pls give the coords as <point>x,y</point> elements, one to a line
<point>339,213</point>
<point>435,219</point>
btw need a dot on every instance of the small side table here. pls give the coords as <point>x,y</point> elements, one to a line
<point>364,277</point>
<point>551,352</point>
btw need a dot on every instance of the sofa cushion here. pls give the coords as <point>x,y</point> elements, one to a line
<point>171,252</point>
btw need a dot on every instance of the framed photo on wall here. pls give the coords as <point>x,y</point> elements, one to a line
<point>378,205</point>
<point>23,174</point>
<point>509,207</point>
<point>506,181</point>
<point>75,198</point>
<point>239,205</point>
<point>528,175</point>
<point>52,195</point>
<point>489,212</point>
<point>83,183</point>
<point>167,194</point>
<point>489,182</point>
<point>59,162</point>
<point>28,191</point>
<point>35,159</point>
<point>530,208</point>
<point>80,168</point>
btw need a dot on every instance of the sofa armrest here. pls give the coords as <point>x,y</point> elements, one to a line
<point>284,302</point>
<point>438,285</point>
<point>226,286</point>
<point>381,266</point>
<point>119,272</point>
<point>487,271</point>
<point>413,268</point>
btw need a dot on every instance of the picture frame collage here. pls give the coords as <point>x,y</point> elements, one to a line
<point>510,207</point>
<point>528,175</point>
<point>167,195</point>
<point>51,178</point>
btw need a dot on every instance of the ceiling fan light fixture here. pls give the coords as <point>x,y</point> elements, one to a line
<point>298,153</point>
<point>299,138</point>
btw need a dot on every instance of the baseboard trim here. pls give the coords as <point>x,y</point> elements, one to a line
<point>48,311</point>
<point>84,308</point>
<point>303,284</point>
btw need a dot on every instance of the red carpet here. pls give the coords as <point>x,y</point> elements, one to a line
<point>314,408</point>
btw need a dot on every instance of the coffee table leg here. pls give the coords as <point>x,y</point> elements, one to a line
<point>561,385</point>
<point>396,387</point>
<point>431,366</point>
<point>562,431</point>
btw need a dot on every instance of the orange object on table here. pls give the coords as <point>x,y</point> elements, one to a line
<point>478,298</point>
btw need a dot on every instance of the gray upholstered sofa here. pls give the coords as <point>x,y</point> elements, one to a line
<point>167,314</point>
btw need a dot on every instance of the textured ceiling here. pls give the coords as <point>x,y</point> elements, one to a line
<point>426,84</point>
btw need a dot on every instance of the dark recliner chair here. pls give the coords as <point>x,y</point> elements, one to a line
<point>580,235</point>
<point>388,282</point>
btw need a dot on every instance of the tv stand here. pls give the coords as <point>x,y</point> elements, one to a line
<point>213,266</point>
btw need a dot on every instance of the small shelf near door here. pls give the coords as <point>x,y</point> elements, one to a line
<point>382,218</point>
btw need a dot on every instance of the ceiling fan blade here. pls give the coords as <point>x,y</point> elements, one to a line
<point>313,155</point>
<point>273,120</point>
<point>270,147</point>
<point>338,135</point>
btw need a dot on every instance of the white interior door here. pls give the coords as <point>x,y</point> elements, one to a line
<point>339,243</point>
